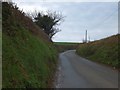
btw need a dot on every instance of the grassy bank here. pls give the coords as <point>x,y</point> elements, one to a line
<point>0,45</point>
<point>63,46</point>
<point>104,51</point>
<point>29,59</point>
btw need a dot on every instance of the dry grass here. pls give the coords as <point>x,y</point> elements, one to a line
<point>103,51</point>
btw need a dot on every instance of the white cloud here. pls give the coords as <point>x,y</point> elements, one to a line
<point>66,0</point>
<point>97,18</point>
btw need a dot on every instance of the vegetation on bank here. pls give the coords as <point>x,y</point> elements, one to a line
<point>104,51</point>
<point>63,46</point>
<point>29,59</point>
<point>0,45</point>
<point>66,43</point>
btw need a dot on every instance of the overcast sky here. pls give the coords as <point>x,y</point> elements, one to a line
<point>100,19</point>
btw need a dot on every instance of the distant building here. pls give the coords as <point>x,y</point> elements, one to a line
<point>86,39</point>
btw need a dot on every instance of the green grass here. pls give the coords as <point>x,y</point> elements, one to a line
<point>65,43</point>
<point>0,45</point>
<point>104,51</point>
<point>63,46</point>
<point>28,59</point>
<point>0,58</point>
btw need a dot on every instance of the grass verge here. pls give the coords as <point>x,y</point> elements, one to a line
<point>104,51</point>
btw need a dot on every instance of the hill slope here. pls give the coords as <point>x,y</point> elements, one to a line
<point>103,51</point>
<point>63,46</point>
<point>0,45</point>
<point>29,58</point>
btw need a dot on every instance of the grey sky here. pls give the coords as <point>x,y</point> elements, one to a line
<point>99,18</point>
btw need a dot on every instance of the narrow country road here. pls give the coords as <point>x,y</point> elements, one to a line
<point>77,72</point>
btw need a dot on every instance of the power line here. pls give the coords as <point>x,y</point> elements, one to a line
<point>108,17</point>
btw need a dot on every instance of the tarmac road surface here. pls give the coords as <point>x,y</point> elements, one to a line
<point>78,72</point>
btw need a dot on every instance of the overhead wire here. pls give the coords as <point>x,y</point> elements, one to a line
<point>106,18</point>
